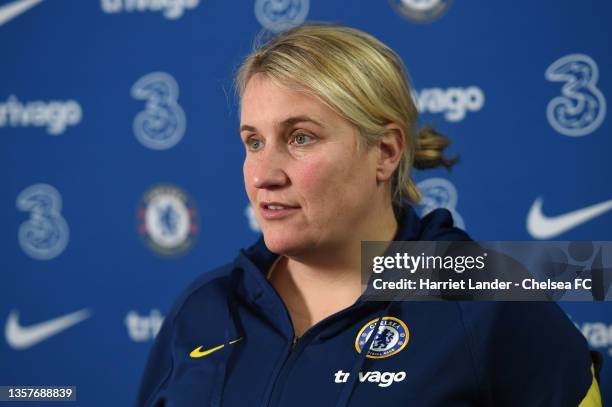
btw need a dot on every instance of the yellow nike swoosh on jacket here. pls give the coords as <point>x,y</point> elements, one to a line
<point>198,352</point>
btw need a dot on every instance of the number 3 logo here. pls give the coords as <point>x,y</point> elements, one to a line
<point>582,107</point>
<point>439,193</point>
<point>162,124</point>
<point>45,235</point>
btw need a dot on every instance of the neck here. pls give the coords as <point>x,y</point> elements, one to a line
<point>316,285</point>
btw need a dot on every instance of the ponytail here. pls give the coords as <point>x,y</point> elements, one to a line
<point>426,153</point>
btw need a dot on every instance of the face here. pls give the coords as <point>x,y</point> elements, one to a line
<point>309,185</point>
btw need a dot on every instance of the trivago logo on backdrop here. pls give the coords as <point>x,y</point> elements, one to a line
<point>143,328</point>
<point>55,116</point>
<point>171,9</point>
<point>598,334</point>
<point>453,102</point>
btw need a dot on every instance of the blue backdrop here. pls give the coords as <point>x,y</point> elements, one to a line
<point>121,164</point>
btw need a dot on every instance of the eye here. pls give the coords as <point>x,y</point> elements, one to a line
<point>302,139</point>
<point>254,144</point>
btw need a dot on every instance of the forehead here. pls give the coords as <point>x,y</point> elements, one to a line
<point>265,99</point>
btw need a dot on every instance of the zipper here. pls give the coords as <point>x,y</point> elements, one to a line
<point>294,342</point>
<point>295,349</point>
<point>297,343</point>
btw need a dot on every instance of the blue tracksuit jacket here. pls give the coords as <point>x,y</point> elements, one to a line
<point>229,341</point>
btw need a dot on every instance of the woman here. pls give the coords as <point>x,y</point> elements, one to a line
<point>329,130</point>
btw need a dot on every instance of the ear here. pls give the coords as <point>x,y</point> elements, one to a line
<point>391,150</point>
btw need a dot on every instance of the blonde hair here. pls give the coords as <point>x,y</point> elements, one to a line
<point>362,80</point>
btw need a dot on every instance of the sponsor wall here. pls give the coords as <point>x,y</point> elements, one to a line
<point>122,165</point>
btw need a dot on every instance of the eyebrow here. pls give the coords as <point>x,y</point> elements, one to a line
<point>286,123</point>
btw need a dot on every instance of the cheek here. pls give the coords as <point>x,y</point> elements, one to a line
<point>248,179</point>
<point>314,178</point>
<point>311,178</point>
<point>327,182</point>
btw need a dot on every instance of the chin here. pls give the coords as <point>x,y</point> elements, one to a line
<point>284,242</point>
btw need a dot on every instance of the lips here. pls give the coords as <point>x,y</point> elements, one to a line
<point>277,205</point>
<point>277,210</point>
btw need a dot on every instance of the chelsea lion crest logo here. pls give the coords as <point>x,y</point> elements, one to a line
<point>168,220</point>
<point>391,338</point>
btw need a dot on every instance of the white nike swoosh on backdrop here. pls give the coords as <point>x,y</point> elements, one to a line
<point>14,9</point>
<point>541,226</point>
<point>21,337</point>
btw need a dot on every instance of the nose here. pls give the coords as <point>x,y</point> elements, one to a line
<point>268,171</point>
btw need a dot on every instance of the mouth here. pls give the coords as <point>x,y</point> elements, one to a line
<point>277,210</point>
